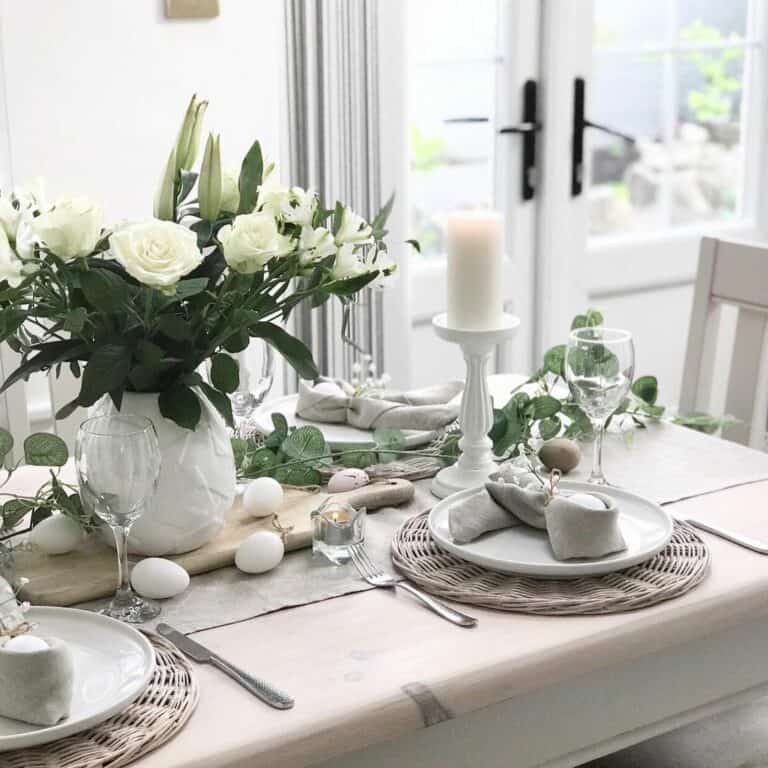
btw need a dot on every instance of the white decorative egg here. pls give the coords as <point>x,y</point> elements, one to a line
<point>263,497</point>
<point>347,480</point>
<point>56,535</point>
<point>260,552</point>
<point>158,578</point>
<point>587,500</point>
<point>329,388</point>
<point>26,644</point>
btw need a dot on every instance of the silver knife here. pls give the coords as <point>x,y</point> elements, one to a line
<point>202,655</point>
<point>756,545</point>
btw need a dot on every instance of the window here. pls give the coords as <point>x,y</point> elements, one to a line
<point>675,75</point>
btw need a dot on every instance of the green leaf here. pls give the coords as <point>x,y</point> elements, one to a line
<point>13,512</point>
<point>358,459</point>
<point>499,425</point>
<point>544,406</point>
<point>6,443</point>
<point>280,423</point>
<point>554,360</point>
<point>104,290</point>
<point>258,463</point>
<point>294,351</point>
<point>45,450</point>
<point>225,373</point>
<point>106,371</point>
<point>46,356</point>
<point>646,388</point>
<point>380,220</point>
<point>389,442</point>
<point>251,173</point>
<point>181,405</point>
<point>190,287</point>
<point>220,402</point>
<point>237,342</point>
<point>239,449</point>
<point>305,443</point>
<point>175,327</point>
<point>298,474</point>
<point>415,244</point>
<point>280,432</point>
<point>75,320</point>
<point>549,427</point>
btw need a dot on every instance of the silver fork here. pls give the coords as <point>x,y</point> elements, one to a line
<point>377,578</point>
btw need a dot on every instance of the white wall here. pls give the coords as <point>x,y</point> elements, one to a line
<point>94,92</point>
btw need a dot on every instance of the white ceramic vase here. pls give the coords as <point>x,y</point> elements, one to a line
<point>197,479</point>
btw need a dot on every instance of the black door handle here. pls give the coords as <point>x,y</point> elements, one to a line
<point>580,122</point>
<point>528,129</point>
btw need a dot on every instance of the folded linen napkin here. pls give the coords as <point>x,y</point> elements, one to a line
<point>513,496</point>
<point>36,686</point>
<point>423,409</point>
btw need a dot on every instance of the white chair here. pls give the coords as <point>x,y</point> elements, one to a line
<point>732,278</point>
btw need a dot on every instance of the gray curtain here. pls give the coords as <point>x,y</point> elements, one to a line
<point>333,140</point>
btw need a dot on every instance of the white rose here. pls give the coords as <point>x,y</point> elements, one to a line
<point>230,191</point>
<point>10,265</point>
<point>353,229</point>
<point>156,253</point>
<point>251,241</point>
<point>315,244</point>
<point>70,229</point>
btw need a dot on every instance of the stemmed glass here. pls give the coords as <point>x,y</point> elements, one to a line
<point>256,366</point>
<point>599,365</point>
<point>118,465</point>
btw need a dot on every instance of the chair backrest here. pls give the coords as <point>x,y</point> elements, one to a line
<point>730,275</point>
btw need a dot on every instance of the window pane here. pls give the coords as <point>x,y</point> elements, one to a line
<point>706,151</point>
<point>451,75</point>
<point>708,20</point>
<point>620,23</point>
<point>627,179</point>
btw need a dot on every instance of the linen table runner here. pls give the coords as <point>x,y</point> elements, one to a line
<point>664,462</point>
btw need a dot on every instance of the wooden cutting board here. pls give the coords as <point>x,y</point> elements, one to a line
<point>89,572</point>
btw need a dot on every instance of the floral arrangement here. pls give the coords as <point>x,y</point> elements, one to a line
<point>138,306</point>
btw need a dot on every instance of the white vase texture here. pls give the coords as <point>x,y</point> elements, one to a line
<point>196,489</point>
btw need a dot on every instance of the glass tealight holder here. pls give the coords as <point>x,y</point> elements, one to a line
<point>336,528</point>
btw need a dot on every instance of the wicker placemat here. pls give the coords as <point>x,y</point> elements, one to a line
<point>679,567</point>
<point>156,716</point>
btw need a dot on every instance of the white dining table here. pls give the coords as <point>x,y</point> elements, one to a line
<point>380,681</point>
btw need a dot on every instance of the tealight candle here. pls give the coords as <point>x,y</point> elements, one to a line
<point>336,527</point>
<point>475,276</point>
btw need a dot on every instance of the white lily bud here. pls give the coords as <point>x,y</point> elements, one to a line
<point>188,141</point>
<point>209,183</point>
<point>166,191</point>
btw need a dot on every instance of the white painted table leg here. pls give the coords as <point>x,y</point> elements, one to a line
<point>476,417</point>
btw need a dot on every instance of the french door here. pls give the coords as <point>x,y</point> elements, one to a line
<point>649,136</point>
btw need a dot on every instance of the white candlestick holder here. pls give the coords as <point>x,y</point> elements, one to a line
<point>476,416</point>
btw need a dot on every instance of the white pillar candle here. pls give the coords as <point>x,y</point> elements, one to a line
<point>475,275</point>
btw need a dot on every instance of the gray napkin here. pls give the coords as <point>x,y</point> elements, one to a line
<point>37,687</point>
<point>513,496</point>
<point>422,409</point>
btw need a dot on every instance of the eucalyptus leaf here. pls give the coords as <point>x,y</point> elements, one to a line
<point>6,443</point>
<point>305,443</point>
<point>646,388</point>
<point>544,406</point>
<point>43,449</point>
<point>298,474</point>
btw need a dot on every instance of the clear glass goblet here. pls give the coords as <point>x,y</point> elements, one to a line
<point>118,464</point>
<point>599,366</point>
<point>256,368</point>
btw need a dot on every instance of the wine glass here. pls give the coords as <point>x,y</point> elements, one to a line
<point>599,365</point>
<point>256,366</point>
<point>118,464</point>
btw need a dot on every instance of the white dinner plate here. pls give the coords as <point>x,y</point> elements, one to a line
<point>113,664</point>
<point>646,528</point>
<point>338,436</point>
